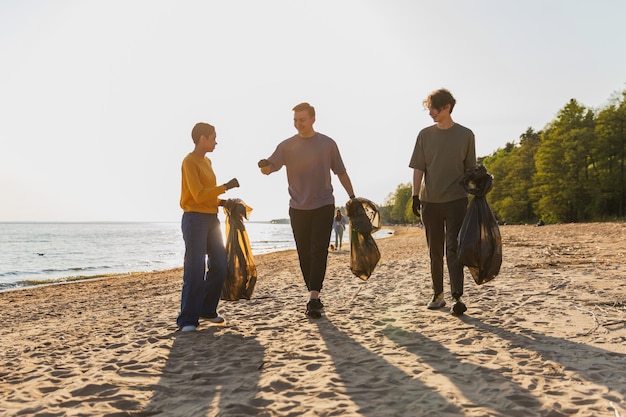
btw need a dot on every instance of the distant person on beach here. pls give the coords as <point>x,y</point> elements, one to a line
<point>441,155</point>
<point>339,224</point>
<point>199,200</point>
<point>309,157</point>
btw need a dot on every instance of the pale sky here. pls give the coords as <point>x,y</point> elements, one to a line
<point>98,98</point>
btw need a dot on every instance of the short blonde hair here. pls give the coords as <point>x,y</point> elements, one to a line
<point>201,129</point>
<point>307,107</point>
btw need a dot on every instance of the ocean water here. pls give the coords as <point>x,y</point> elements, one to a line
<point>39,253</point>
<point>36,253</point>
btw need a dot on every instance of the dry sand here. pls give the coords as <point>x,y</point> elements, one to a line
<point>547,337</point>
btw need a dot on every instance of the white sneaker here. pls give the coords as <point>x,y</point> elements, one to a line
<point>214,320</point>
<point>217,320</point>
<point>188,328</point>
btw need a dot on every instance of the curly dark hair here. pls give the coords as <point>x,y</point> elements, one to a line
<point>438,99</point>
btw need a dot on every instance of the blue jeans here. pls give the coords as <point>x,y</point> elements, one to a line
<point>311,231</point>
<point>202,288</point>
<point>338,236</point>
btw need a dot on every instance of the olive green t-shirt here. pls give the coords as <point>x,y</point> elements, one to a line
<point>443,155</point>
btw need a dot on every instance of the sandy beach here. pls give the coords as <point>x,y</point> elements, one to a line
<point>547,337</point>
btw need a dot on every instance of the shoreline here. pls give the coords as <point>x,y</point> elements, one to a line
<point>547,337</point>
<point>30,283</point>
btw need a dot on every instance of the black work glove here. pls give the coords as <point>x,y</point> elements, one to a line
<point>417,205</point>
<point>352,200</point>
<point>263,163</point>
<point>232,184</point>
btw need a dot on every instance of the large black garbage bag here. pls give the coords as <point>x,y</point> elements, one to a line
<point>480,243</point>
<point>241,275</point>
<point>364,220</point>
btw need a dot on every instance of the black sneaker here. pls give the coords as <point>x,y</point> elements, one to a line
<point>458,307</point>
<point>314,308</point>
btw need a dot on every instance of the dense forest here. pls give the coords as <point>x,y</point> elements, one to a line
<point>571,171</point>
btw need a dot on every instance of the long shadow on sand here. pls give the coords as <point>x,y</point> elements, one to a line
<point>208,375</point>
<point>378,387</point>
<point>517,402</point>
<point>600,366</point>
<point>608,370</point>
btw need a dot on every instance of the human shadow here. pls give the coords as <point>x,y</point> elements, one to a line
<point>209,373</point>
<point>375,385</point>
<point>600,366</point>
<point>516,401</point>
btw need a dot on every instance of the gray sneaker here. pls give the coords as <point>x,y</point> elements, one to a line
<point>437,302</point>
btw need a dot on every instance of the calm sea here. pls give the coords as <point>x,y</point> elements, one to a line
<point>35,253</point>
<point>39,253</point>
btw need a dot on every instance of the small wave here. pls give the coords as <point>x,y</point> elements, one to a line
<point>8,286</point>
<point>93,249</point>
<point>74,269</point>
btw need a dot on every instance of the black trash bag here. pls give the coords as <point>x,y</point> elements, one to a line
<point>241,275</point>
<point>480,243</point>
<point>364,220</point>
<point>477,181</point>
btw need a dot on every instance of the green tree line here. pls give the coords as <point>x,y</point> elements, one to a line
<point>571,171</point>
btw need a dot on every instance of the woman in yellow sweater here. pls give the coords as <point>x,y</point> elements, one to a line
<point>199,200</point>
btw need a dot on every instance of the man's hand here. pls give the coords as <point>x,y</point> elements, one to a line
<point>417,205</point>
<point>265,166</point>
<point>232,184</point>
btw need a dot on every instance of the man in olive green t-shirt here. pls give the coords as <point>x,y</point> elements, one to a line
<point>441,155</point>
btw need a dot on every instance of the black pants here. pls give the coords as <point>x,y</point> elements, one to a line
<point>311,231</point>
<point>442,222</point>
